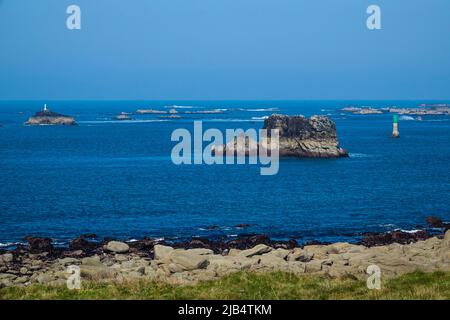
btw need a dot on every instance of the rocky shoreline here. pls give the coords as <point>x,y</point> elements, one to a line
<point>395,252</point>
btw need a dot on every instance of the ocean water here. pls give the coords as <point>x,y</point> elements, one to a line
<point>117,179</point>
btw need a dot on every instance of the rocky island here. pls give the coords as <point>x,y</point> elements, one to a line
<point>423,109</point>
<point>306,138</point>
<point>47,117</point>
<point>299,137</point>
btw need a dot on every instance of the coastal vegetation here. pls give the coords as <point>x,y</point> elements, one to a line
<point>248,285</point>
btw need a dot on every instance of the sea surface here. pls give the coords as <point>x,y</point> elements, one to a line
<point>116,178</point>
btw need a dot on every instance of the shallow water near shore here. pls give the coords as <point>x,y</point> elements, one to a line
<point>116,178</point>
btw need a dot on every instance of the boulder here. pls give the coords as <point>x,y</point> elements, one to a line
<point>257,250</point>
<point>188,261</point>
<point>447,235</point>
<point>313,266</point>
<point>121,257</point>
<point>90,272</point>
<point>44,278</point>
<point>300,255</point>
<point>201,251</point>
<point>117,247</point>
<point>272,262</point>
<point>447,238</point>
<point>69,261</point>
<point>175,268</point>
<point>162,252</point>
<point>7,257</point>
<point>91,261</point>
<point>279,253</point>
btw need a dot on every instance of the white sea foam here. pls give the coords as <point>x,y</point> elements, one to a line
<point>122,121</point>
<point>260,118</point>
<point>406,118</point>
<point>360,155</point>
<point>408,231</point>
<point>259,109</point>
<point>10,244</point>
<point>389,225</point>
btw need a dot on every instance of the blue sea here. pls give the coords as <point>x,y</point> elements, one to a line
<point>116,178</point>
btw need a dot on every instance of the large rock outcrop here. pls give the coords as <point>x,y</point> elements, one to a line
<point>306,138</point>
<point>47,117</point>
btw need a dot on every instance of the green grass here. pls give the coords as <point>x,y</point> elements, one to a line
<point>246,286</point>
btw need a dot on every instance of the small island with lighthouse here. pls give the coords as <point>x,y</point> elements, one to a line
<point>47,117</point>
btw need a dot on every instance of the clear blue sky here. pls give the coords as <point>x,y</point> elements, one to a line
<point>224,49</point>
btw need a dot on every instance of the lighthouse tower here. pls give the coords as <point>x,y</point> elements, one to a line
<point>395,132</point>
<point>45,107</point>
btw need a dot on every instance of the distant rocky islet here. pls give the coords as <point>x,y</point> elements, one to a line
<point>47,117</point>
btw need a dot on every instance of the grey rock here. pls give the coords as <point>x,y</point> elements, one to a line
<point>44,278</point>
<point>120,257</point>
<point>162,252</point>
<point>21,280</point>
<point>117,247</point>
<point>7,257</point>
<point>189,261</point>
<point>300,255</point>
<point>92,261</point>
<point>97,272</point>
<point>201,251</point>
<point>68,261</point>
<point>257,250</point>
<point>313,266</point>
<point>175,268</point>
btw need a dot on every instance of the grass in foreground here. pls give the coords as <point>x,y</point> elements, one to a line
<point>249,286</point>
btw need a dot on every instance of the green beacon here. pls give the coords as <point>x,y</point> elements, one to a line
<point>395,132</point>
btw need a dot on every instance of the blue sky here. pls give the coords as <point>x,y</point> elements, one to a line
<point>224,49</point>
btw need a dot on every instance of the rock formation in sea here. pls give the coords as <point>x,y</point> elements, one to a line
<point>306,138</point>
<point>298,137</point>
<point>47,117</point>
